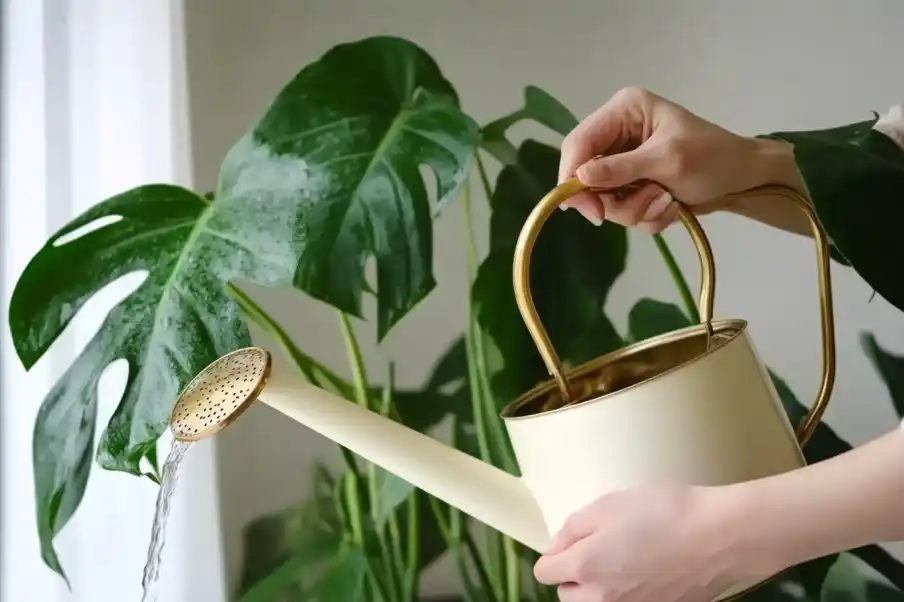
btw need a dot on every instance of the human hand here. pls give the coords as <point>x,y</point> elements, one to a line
<point>649,544</point>
<point>646,152</point>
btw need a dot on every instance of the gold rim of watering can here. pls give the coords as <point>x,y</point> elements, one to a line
<point>547,205</point>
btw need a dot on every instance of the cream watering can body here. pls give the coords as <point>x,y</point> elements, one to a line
<point>692,406</point>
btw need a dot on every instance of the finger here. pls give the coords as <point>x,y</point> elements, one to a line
<point>631,210</point>
<point>575,592</point>
<point>658,207</point>
<point>620,169</point>
<point>590,205</point>
<point>567,566</point>
<point>595,135</point>
<point>578,526</point>
<point>665,220</point>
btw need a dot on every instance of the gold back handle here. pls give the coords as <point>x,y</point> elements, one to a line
<point>544,209</point>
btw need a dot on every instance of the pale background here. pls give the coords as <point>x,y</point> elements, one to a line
<point>753,67</point>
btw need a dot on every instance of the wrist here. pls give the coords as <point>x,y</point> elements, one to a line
<point>851,500</point>
<point>773,162</point>
<point>747,544</point>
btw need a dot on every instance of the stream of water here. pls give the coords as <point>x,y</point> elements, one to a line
<point>168,480</point>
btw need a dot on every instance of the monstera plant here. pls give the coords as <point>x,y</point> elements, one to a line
<point>326,179</point>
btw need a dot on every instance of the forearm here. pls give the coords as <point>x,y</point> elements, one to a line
<point>774,164</point>
<point>773,161</point>
<point>839,504</point>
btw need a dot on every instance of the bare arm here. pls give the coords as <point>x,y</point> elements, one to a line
<point>841,503</point>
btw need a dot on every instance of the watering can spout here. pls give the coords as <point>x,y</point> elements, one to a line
<point>218,395</point>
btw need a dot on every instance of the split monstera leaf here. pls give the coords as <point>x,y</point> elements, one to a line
<point>328,177</point>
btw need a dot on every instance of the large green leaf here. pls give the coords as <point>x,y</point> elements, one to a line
<point>890,368</point>
<point>574,266</point>
<point>338,154</point>
<point>855,177</point>
<point>649,318</point>
<point>326,177</point>
<point>173,325</point>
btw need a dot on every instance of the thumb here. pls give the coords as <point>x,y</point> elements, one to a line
<point>614,171</point>
<point>578,526</point>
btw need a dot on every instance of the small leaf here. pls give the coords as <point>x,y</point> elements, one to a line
<point>890,368</point>
<point>812,574</point>
<point>338,153</point>
<point>881,561</point>
<point>391,491</point>
<point>824,443</point>
<point>343,580</point>
<point>880,592</point>
<point>855,177</point>
<point>574,266</point>
<point>539,106</point>
<point>649,318</point>
<point>282,551</point>
<point>844,583</point>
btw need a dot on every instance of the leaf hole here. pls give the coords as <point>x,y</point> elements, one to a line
<point>86,229</point>
<point>431,183</point>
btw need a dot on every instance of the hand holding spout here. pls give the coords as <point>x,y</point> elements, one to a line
<point>688,544</point>
<point>657,544</point>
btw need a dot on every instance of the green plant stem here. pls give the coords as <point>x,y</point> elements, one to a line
<point>462,543</point>
<point>473,384</point>
<point>414,546</point>
<point>486,580</point>
<point>687,298</point>
<point>512,570</point>
<point>477,350</point>
<point>484,178</point>
<point>507,560</point>
<point>352,492</point>
<point>304,362</point>
<point>406,571</point>
<point>483,444</point>
<point>360,382</point>
<point>355,361</point>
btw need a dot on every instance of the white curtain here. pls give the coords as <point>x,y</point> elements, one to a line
<point>94,102</point>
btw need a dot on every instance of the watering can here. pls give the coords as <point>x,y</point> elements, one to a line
<point>694,406</point>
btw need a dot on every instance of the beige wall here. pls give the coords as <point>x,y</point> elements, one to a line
<point>751,66</point>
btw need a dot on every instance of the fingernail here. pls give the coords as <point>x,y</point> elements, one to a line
<point>593,214</point>
<point>663,198</point>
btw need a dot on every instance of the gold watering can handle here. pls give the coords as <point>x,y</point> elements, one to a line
<point>541,212</point>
